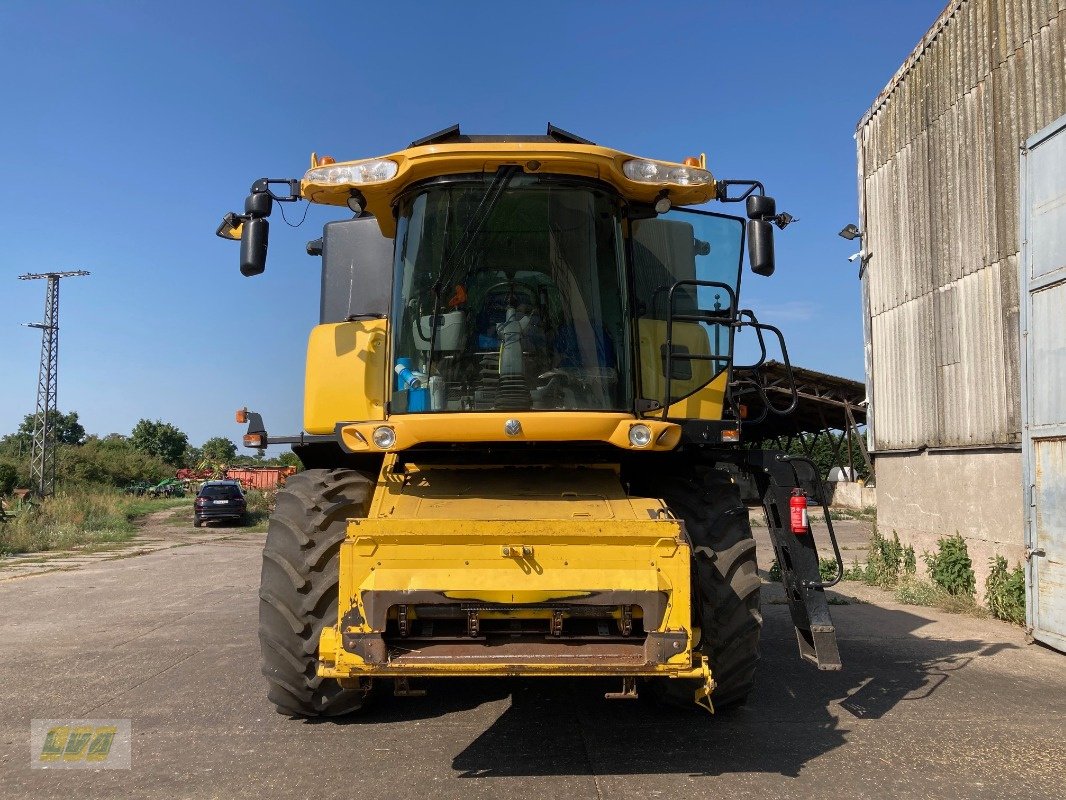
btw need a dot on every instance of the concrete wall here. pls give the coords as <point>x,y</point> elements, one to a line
<point>926,496</point>
<point>849,494</point>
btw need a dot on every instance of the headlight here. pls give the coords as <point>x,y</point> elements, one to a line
<point>639,435</point>
<point>384,437</point>
<point>374,170</point>
<point>642,170</point>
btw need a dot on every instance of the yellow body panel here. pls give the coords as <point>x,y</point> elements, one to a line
<point>345,378</point>
<point>536,426</point>
<point>515,543</point>
<point>701,397</point>
<point>430,161</point>
<point>705,403</point>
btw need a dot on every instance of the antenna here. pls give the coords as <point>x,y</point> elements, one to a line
<point>43,449</point>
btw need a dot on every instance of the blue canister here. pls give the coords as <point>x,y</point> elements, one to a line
<point>417,400</point>
<point>402,365</point>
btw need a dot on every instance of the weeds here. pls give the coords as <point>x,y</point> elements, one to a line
<point>950,567</point>
<point>950,583</point>
<point>827,570</point>
<point>260,506</point>
<point>1005,591</point>
<point>888,561</point>
<point>68,521</point>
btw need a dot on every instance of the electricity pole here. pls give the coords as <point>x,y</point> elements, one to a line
<point>42,449</point>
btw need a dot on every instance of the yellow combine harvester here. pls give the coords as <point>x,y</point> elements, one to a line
<point>521,421</point>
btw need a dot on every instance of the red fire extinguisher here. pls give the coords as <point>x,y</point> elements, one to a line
<point>797,506</point>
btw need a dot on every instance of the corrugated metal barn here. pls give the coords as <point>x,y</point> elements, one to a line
<point>938,158</point>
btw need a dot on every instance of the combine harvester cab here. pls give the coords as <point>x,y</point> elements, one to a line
<point>521,421</point>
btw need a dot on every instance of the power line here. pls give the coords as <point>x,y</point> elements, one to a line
<point>43,447</point>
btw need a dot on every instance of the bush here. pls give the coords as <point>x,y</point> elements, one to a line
<point>950,568</point>
<point>886,562</point>
<point>107,463</point>
<point>827,569</point>
<point>9,476</point>
<point>910,563</point>
<point>1005,591</point>
<point>260,505</point>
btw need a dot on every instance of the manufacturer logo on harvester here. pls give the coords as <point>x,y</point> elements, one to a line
<point>80,744</point>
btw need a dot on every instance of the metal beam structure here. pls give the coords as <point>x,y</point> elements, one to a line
<point>826,403</point>
<point>42,450</point>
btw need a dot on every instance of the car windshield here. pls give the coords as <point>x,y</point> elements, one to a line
<point>509,295</point>
<point>220,492</point>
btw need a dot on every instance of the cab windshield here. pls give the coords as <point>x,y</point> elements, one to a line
<point>509,294</point>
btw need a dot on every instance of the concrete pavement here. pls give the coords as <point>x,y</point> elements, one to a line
<point>928,705</point>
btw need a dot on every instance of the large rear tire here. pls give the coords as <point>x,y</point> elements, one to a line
<point>298,587</point>
<point>726,579</point>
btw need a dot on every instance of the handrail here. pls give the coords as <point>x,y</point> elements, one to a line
<point>729,320</point>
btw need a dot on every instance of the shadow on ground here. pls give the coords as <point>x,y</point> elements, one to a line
<point>566,727</point>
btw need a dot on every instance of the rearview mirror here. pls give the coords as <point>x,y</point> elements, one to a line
<point>760,206</point>
<point>760,246</point>
<point>254,236</point>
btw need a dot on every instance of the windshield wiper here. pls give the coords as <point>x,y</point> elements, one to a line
<point>473,228</point>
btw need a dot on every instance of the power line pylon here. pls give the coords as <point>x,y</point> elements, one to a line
<point>43,450</point>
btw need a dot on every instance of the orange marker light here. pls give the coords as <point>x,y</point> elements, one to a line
<point>692,161</point>
<point>242,415</point>
<point>254,440</point>
<point>326,160</point>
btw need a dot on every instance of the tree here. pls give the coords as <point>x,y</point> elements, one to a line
<point>160,439</point>
<point>219,448</point>
<point>108,463</point>
<point>290,459</point>
<point>8,477</point>
<point>66,427</point>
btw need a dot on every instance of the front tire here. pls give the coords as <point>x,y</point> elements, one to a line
<point>298,587</point>
<point>726,579</point>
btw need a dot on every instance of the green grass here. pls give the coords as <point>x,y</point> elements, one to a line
<point>78,520</point>
<point>864,514</point>
<point>919,592</point>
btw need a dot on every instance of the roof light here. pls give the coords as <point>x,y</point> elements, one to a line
<point>643,170</point>
<point>374,170</point>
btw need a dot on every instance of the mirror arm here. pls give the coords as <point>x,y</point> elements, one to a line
<point>292,184</point>
<point>722,190</point>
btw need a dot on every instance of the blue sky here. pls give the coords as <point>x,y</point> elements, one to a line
<point>129,129</point>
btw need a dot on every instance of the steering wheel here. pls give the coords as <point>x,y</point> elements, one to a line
<point>512,283</point>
